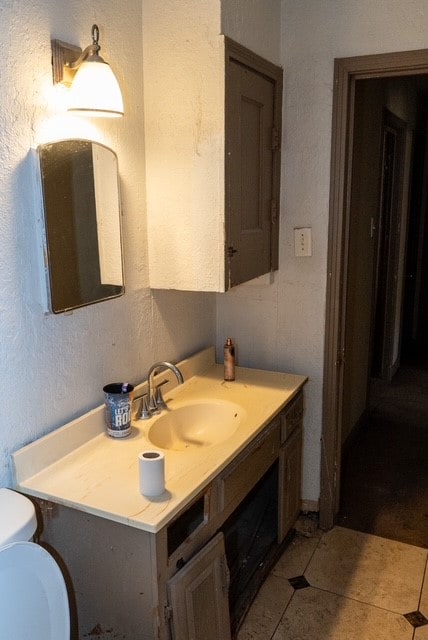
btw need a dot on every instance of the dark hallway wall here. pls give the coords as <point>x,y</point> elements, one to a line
<point>401,96</point>
<point>415,321</point>
<point>384,475</point>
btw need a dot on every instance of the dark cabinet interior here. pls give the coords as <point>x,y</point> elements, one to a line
<point>251,544</point>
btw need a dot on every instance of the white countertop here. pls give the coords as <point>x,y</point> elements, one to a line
<point>80,466</point>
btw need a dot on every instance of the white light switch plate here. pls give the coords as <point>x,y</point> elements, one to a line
<point>303,241</point>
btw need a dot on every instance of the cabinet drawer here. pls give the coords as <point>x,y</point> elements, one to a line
<point>244,474</point>
<point>291,417</point>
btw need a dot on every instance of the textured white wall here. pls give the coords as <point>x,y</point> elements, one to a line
<point>53,367</point>
<point>184,111</point>
<point>281,326</point>
<point>254,24</point>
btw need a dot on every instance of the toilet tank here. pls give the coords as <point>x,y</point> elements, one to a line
<point>18,520</point>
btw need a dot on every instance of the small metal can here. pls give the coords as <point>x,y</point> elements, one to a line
<point>118,406</point>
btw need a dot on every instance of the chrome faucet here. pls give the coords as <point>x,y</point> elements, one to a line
<point>156,402</point>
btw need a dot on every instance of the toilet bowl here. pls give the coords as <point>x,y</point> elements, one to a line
<point>33,595</point>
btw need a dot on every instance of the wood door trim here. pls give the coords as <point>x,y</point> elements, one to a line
<point>346,72</point>
<point>246,57</point>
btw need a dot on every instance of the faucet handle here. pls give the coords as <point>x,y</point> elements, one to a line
<point>160,402</point>
<point>145,410</point>
<point>153,406</point>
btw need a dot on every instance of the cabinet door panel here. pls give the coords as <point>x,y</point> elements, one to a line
<point>250,118</point>
<point>199,595</point>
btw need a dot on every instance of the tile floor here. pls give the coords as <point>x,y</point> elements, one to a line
<point>350,586</point>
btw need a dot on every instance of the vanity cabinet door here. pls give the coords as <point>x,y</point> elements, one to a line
<point>290,474</point>
<point>198,595</point>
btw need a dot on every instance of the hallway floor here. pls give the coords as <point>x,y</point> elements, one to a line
<point>384,487</point>
<point>342,585</point>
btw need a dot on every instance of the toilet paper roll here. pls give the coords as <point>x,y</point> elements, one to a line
<point>152,473</point>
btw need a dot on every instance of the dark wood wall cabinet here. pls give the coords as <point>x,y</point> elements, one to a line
<point>213,154</point>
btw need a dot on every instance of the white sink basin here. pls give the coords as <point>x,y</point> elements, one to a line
<point>195,425</point>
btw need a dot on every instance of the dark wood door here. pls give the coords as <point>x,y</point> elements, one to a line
<point>252,161</point>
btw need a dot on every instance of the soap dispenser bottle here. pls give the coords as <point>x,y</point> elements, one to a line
<point>229,360</point>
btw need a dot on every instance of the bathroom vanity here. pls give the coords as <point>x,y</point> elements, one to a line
<point>173,566</point>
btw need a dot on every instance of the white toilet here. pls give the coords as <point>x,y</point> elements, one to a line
<point>33,595</point>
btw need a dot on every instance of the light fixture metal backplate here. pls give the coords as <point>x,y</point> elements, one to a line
<point>63,54</point>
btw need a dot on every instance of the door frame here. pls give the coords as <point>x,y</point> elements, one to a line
<point>346,72</point>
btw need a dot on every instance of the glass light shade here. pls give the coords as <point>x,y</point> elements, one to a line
<point>95,91</point>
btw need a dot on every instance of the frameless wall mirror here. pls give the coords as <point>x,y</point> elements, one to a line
<point>80,189</point>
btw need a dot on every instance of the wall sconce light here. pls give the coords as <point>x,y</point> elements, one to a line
<point>94,89</point>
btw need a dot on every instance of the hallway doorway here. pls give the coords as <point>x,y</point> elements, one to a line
<point>357,287</point>
<point>384,480</point>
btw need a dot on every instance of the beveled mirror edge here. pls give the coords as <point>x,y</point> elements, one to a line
<point>42,266</point>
